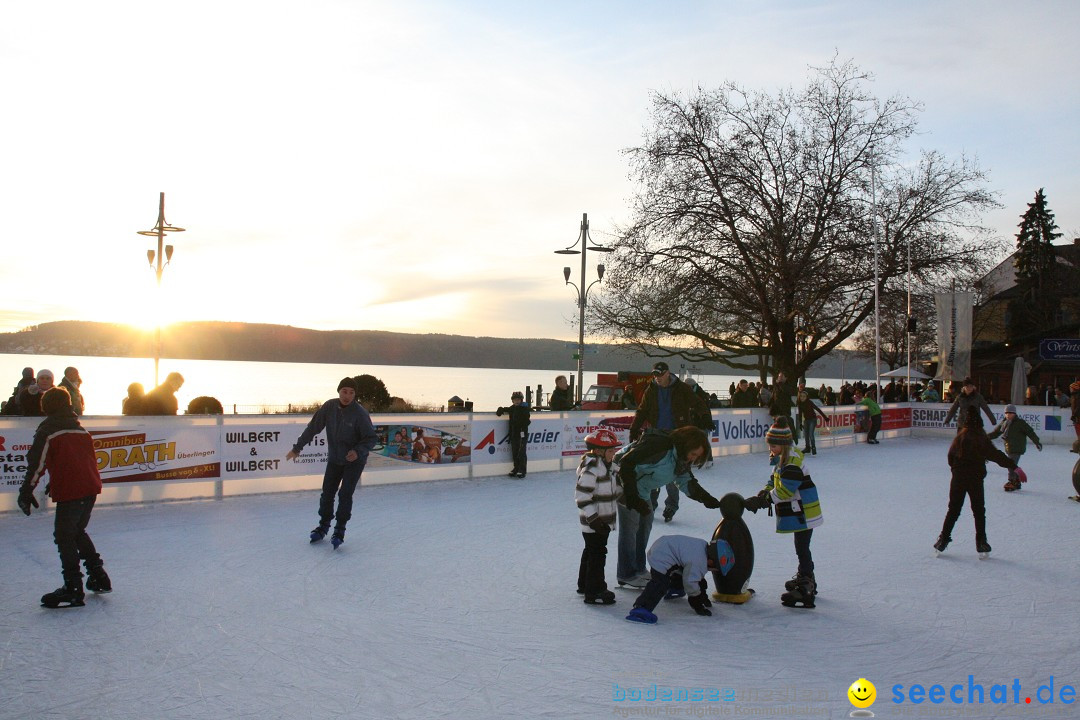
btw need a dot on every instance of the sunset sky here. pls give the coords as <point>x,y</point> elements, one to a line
<point>412,166</point>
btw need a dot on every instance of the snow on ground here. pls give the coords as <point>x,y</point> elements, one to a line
<point>457,599</point>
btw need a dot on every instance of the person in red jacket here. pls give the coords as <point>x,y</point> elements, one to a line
<point>65,450</point>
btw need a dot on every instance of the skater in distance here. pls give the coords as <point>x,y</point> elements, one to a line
<point>350,437</point>
<point>520,419</point>
<point>968,453</point>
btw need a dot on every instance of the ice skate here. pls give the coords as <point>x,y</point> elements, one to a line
<point>319,533</point>
<point>97,580</point>
<point>803,593</point>
<point>793,583</point>
<point>1011,486</point>
<point>603,598</point>
<point>983,548</point>
<point>641,615</point>
<point>668,514</point>
<point>70,595</point>
<point>338,539</point>
<point>942,543</point>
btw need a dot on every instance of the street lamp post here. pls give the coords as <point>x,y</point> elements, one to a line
<point>165,251</point>
<point>582,289</point>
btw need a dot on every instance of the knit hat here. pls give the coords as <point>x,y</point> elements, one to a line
<point>347,382</point>
<point>779,434</point>
<point>1010,409</point>
<point>54,399</point>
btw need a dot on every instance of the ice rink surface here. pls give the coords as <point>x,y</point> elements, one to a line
<point>457,599</point>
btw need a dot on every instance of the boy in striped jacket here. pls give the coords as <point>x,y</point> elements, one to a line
<point>596,493</point>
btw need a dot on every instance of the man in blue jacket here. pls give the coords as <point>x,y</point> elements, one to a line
<point>350,436</point>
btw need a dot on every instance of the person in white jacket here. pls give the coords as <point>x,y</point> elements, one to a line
<point>596,492</point>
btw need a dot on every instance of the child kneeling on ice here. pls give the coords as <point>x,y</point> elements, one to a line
<point>678,564</point>
<point>596,493</point>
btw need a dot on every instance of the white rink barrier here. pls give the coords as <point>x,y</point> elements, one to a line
<point>146,459</point>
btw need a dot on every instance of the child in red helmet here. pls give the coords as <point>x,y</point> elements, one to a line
<point>596,493</point>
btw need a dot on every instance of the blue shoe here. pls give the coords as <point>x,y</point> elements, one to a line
<point>673,593</point>
<point>641,615</point>
<point>337,539</point>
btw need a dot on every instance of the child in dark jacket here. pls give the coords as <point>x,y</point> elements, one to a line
<point>970,450</point>
<point>65,450</point>
<point>1016,432</point>
<point>596,492</point>
<point>520,418</point>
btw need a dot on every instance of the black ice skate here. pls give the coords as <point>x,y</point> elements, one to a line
<point>70,595</point>
<point>319,533</point>
<point>97,580</point>
<point>793,583</point>
<point>942,543</point>
<point>338,539</point>
<point>983,548</point>
<point>604,598</point>
<point>803,593</point>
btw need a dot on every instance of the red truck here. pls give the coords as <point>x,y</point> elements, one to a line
<point>607,393</point>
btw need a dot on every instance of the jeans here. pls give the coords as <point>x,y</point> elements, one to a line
<point>346,477</point>
<point>671,502</point>
<point>802,551</point>
<point>72,542</point>
<point>634,530</point>
<point>809,426</point>
<point>875,426</point>
<point>519,442</point>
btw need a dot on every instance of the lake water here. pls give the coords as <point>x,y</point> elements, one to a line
<point>251,386</point>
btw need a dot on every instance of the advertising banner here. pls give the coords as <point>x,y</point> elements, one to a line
<point>157,452</point>
<point>954,311</point>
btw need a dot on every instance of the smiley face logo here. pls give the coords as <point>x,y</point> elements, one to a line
<point>862,693</point>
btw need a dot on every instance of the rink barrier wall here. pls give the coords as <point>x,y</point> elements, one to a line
<point>151,459</point>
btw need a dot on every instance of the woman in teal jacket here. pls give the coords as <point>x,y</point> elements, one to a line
<point>655,460</point>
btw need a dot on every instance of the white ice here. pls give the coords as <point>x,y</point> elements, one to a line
<point>457,599</point>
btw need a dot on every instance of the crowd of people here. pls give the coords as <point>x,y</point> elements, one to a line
<point>26,398</point>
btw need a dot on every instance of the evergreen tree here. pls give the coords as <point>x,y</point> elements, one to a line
<point>1036,307</point>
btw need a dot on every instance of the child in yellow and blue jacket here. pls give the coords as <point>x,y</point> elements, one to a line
<point>797,508</point>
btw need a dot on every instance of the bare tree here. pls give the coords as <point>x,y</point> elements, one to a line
<point>753,230</point>
<point>893,330</point>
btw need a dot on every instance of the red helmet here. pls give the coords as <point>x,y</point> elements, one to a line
<point>602,439</point>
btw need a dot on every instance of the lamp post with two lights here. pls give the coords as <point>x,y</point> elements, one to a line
<point>163,251</point>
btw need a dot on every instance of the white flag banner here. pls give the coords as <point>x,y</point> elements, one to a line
<point>954,311</point>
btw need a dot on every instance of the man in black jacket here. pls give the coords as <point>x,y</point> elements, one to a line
<point>669,403</point>
<point>520,418</point>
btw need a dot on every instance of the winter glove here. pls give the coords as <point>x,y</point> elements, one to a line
<point>765,494</point>
<point>599,525</point>
<point>641,506</point>
<point>753,504</point>
<point>698,603</point>
<point>1018,474</point>
<point>705,592</point>
<point>26,498</point>
<point>711,503</point>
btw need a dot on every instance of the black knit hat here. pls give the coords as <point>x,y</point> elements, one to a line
<point>347,382</point>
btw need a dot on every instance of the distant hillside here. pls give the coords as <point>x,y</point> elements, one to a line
<point>282,343</point>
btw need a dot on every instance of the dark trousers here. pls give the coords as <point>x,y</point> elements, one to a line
<point>809,425</point>
<point>802,551</point>
<point>346,478</point>
<point>875,427</point>
<point>973,489</point>
<point>657,588</point>
<point>590,579</point>
<point>72,542</point>
<point>519,441</point>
